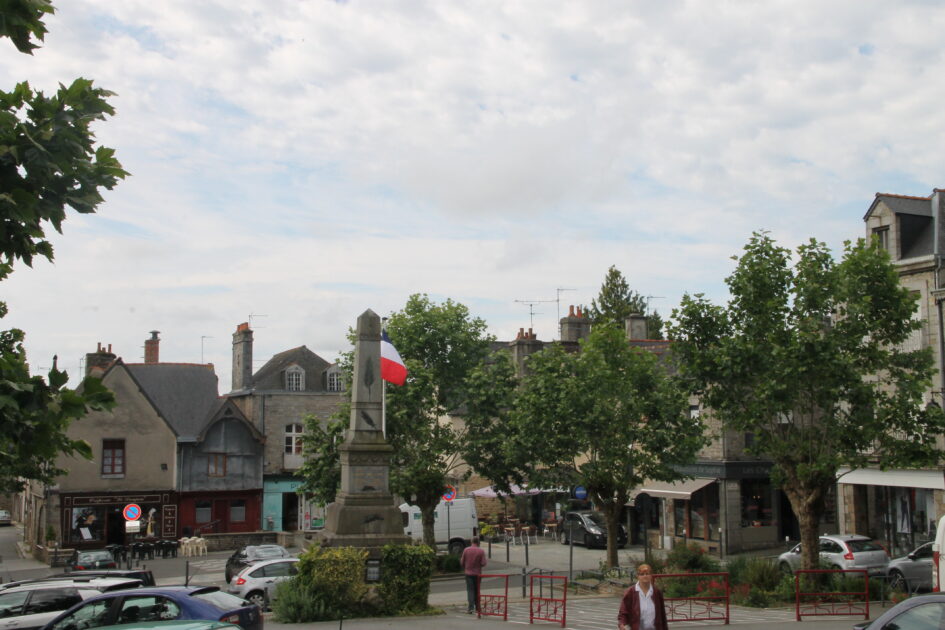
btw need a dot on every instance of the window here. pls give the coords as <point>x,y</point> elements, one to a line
<point>52,600</point>
<point>697,515</point>
<point>294,379</point>
<point>679,516</point>
<point>881,235</point>
<point>147,608</point>
<point>238,510</point>
<point>113,457</point>
<point>923,617</point>
<point>756,503</point>
<point>293,439</point>
<point>335,382</point>
<point>216,464</point>
<point>202,511</point>
<point>92,615</point>
<point>694,412</point>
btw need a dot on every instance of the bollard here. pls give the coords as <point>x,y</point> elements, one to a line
<point>526,550</point>
<point>507,543</point>
<point>490,549</point>
<point>523,583</point>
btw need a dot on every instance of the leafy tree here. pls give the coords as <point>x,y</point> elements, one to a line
<point>616,301</point>
<point>810,360</point>
<point>441,344</point>
<point>321,469</point>
<point>605,418</point>
<point>48,162</point>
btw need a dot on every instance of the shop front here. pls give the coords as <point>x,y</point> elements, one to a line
<point>284,509</point>
<point>93,520</point>
<point>218,512</point>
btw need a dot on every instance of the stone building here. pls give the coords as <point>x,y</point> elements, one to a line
<point>276,399</point>
<point>901,507</point>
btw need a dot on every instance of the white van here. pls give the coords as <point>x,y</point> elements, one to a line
<point>455,523</point>
<point>938,567</point>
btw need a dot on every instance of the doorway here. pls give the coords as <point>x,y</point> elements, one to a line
<point>290,512</point>
<point>114,527</point>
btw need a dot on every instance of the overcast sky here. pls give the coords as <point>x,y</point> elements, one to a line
<point>297,162</point>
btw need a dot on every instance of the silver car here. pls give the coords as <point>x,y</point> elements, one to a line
<point>912,572</point>
<point>257,583</point>
<point>846,551</point>
<point>34,603</point>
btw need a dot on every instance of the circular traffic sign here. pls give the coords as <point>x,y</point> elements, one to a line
<point>132,512</point>
<point>580,492</point>
<point>450,494</point>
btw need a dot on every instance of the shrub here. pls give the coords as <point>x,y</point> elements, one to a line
<point>762,574</point>
<point>448,563</point>
<point>691,558</point>
<point>757,598</point>
<point>405,578</point>
<point>330,585</point>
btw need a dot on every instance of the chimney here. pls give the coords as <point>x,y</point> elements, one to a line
<point>97,362</point>
<point>636,327</point>
<point>242,357</point>
<point>575,326</point>
<point>525,344</point>
<point>152,348</point>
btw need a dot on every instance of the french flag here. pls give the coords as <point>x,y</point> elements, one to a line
<point>393,369</point>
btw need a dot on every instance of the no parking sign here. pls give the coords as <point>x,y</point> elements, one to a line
<point>450,494</point>
<point>131,512</point>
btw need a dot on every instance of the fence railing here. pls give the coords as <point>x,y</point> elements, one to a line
<point>814,597</point>
<point>710,603</point>
<point>550,607</point>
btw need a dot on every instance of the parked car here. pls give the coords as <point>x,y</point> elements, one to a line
<point>916,613</point>
<point>96,559</point>
<point>257,583</point>
<point>145,575</point>
<point>912,572</point>
<point>33,603</point>
<point>847,551</point>
<point>183,624</point>
<point>163,603</point>
<point>5,518</point>
<point>590,529</point>
<point>251,554</point>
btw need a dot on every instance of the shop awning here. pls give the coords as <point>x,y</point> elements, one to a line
<point>672,489</point>
<point>930,479</point>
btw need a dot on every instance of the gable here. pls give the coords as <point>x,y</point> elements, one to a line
<point>271,376</point>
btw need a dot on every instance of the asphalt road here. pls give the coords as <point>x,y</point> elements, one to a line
<point>583,613</point>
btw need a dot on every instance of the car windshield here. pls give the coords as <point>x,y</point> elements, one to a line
<point>269,552</point>
<point>863,545</point>
<point>596,518</point>
<point>221,600</point>
<point>92,556</point>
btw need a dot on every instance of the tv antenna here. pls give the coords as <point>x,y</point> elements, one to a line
<point>652,297</point>
<point>251,316</point>
<point>531,309</point>
<point>202,337</point>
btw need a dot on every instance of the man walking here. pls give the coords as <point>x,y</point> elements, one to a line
<point>472,561</point>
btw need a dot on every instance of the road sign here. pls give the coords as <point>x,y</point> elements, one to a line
<point>580,493</point>
<point>132,512</point>
<point>450,494</point>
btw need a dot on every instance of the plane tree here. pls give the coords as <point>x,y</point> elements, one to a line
<point>49,162</point>
<point>810,356</point>
<point>606,418</point>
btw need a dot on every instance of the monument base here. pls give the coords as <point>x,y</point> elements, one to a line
<point>364,521</point>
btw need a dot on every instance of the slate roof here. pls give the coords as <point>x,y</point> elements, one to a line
<point>903,204</point>
<point>185,394</point>
<point>269,375</point>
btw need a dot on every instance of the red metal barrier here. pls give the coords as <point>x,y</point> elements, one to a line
<point>706,607</point>
<point>491,605</point>
<point>548,608</point>
<point>832,603</point>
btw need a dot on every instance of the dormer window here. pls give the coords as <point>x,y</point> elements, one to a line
<point>881,234</point>
<point>294,379</point>
<point>335,382</point>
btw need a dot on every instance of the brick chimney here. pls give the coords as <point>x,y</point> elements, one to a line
<point>97,362</point>
<point>575,326</point>
<point>152,348</point>
<point>636,327</point>
<point>526,343</point>
<point>242,357</point>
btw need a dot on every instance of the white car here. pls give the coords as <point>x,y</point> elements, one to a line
<point>5,518</point>
<point>34,603</point>
<point>841,551</point>
<point>257,583</point>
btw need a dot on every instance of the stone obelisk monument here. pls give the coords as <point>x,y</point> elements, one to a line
<point>364,514</point>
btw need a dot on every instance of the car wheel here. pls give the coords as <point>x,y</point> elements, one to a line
<point>785,568</point>
<point>897,581</point>
<point>258,598</point>
<point>456,547</point>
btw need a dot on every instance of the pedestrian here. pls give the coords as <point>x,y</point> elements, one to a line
<point>472,561</point>
<point>642,606</point>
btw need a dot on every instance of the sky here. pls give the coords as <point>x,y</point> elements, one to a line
<point>295,162</point>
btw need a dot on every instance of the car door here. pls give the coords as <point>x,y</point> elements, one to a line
<point>12,606</point>
<point>919,572</point>
<point>831,553</point>
<point>143,608</point>
<point>94,614</point>
<point>276,573</point>
<point>44,605</point>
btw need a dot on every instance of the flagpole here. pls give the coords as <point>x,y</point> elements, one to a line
<point>383,390</point>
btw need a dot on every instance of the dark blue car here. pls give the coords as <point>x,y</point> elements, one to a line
<point>159,604</point>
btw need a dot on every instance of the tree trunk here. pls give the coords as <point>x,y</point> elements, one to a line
<point>428,518</point>
<point>611,510</point>
<point>807,503</point>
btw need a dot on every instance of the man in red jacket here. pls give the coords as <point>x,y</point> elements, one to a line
<point>472,561</point>
<point>642,606</point>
